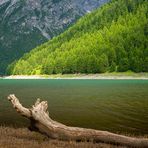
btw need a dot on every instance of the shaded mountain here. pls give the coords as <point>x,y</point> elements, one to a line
<point>111,38</point>
<point>24,24</point>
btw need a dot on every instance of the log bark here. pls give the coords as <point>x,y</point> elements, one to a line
<point>41,122</point>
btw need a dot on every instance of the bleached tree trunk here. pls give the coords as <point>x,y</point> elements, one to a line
<point>41,122</point>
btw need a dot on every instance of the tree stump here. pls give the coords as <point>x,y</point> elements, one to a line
<point>41,122</point>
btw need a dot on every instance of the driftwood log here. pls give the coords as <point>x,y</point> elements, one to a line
<point>41,122</point>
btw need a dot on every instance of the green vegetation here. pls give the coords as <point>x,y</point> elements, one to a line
<point>112,38</point>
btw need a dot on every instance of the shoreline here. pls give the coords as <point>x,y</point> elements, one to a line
<point>22,137</point>
<point>122,76</point>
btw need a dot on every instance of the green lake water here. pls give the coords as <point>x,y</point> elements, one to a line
<point>112,105</point>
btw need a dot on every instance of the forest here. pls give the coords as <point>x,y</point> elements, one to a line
<point>112,38</point>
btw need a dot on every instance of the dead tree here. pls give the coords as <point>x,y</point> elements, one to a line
<point>41,122</point>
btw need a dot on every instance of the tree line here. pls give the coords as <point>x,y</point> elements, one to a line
<point>111,38</point>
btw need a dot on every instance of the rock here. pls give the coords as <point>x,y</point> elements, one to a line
<point>24,24</point>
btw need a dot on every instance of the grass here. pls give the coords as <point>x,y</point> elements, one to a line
<point>23,138</point>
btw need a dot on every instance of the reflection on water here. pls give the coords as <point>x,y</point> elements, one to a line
<point>113,105</point>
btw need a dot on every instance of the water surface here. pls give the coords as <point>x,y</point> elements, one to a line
<point>113,105</point>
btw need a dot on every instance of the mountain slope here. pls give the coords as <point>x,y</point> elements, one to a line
<point>112,38</point>
<point>24,24</point>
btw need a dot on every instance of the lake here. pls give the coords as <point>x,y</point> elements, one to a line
<point>112,105</point>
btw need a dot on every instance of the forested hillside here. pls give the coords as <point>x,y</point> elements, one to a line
<point>25,24</point>
<point>112,38</point>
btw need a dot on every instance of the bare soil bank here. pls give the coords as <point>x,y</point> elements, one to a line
<point>118,75</point>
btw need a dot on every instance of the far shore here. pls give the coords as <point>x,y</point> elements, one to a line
<point>124,75</point>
